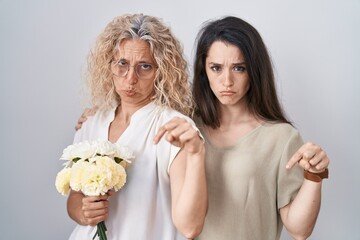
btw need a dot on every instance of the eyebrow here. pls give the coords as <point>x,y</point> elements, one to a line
<point>233,64</point>
<point>140,62</point>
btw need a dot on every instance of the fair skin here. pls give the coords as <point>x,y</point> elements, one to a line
<point>229,80</point>
<point>187,172</point>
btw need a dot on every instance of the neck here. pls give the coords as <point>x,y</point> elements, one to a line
<point>126,110</point>
<point>236,122</point>
<point>234,114</point>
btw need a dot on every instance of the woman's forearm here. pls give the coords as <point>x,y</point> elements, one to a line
<point>299,217</point>
<point>191,204</point>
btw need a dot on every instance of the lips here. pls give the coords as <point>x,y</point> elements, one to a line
<point>227,93</point>
<point>129,93</point>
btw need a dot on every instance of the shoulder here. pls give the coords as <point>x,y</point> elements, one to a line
<point>280,133</point>
<point>94,125</point>
<point>101,116</point>
<point>279,128</point>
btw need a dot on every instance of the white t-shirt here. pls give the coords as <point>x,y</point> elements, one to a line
<point>142,208</point>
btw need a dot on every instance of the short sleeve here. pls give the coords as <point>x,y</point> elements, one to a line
<point>289,180</point>
<point>175,150</point>
<point>95,127</point>
<point>81,134</point>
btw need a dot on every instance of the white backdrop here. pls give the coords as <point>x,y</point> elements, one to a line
<point>43,45</point>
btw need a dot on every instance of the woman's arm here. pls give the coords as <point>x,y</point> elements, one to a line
<point>299,216</point>
<point>187,177</point>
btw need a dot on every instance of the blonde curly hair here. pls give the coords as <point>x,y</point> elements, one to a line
<point>172,88</point>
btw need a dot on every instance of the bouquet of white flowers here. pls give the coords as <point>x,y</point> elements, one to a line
<point>93,168</point>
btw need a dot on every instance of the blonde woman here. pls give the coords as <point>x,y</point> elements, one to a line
<point>138,82</point>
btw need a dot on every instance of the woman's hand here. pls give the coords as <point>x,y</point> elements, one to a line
<point>87,210</point>
<point>95,209</point>
<point>87,113</point>
<point>310,157</point>
<point>181,133</point>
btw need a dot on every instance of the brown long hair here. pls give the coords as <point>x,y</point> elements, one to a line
<point>261,97</point>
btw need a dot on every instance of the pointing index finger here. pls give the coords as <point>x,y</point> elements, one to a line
<point>159,134</point>
<point>294,159</point>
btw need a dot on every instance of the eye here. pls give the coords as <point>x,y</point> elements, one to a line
<point>122,63</point>
<point>145,66</point>
<point>216,68</point>
<point>239,68</point>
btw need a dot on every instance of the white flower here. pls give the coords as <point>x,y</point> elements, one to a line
<point>124,153</point>
<point>93,168</point>
<point>82,150</point>
<point>62,181</point>
<point>95,180</point>
<point>119,177</point>
<point>77,173</point>
<point>105,148</point>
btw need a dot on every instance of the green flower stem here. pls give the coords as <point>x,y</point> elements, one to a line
<point>103,233</point>
<point>100,231</point>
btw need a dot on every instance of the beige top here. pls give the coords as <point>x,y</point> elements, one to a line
<point>248,183</point>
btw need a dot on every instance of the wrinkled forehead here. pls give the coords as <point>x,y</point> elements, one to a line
<point>134,49</point>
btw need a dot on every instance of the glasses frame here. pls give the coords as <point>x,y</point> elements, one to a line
<point>115,63</point>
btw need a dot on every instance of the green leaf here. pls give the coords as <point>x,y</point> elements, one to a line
<point>118,160</point>
<point>76,159</point>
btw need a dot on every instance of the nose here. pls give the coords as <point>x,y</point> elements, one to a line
<point>228,79</point>
<point>131,76</point>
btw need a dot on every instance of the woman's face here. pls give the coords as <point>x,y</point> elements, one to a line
<point>134,72</point>
<point>227,73</point>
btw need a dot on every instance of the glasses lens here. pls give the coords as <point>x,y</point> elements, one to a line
<point>119,68</point>
<point>143,70</point>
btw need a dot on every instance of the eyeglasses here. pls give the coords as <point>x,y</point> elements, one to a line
<point>143,71</point>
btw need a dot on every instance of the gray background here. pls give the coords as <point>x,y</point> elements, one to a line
<point>43,47</point>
